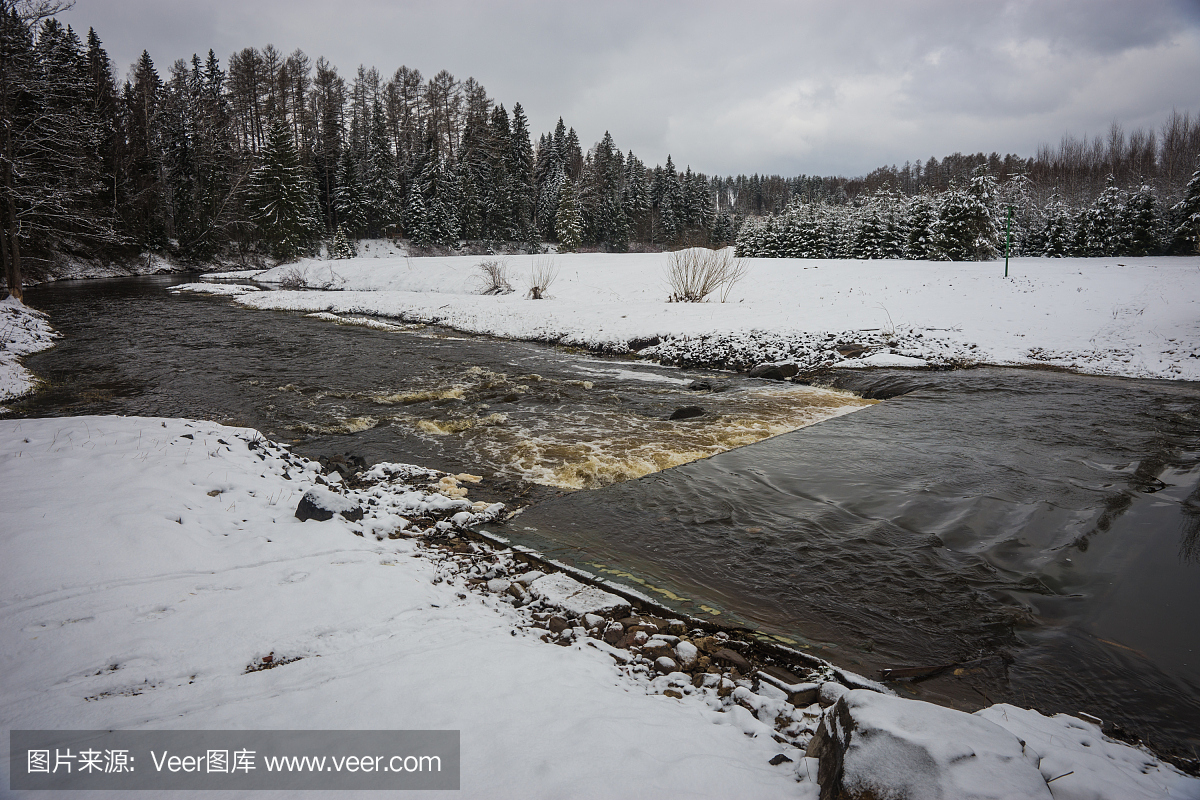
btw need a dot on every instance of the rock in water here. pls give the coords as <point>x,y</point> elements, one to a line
<point>708,385</point>
<point>322,504</point>
<point>871,745</point>
<point>776,372</point>
<point>687,412</point>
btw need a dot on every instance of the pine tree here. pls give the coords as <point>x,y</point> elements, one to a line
<point>966,222</point>
<point>568,225</point>
<point>1102,229</point>
<point>1141,223</point>
<point>1058,234</point>
<point>283,200</point>
<point>520,171</point>
<point>341,246</point>
<point>348,201</point>
<point>1187,214</point>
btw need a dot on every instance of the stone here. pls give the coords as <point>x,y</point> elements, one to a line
<point>799,694</point>
<point>829,692</point>
<point>635,345</point>
<point>781,674</point>
<point>851,350</point>
<point>557,623</point>
<point>528,577</point>
<point>322,504</point>
<point>613,633</point>
<point>686,412</point>
<point>709,644</point>
<point>562,591</point>
<point>516,590</point>
<point>676,627</point>
<point>779,759</point>
<point>592,621</point>
<point>732,658</point>
<point>687,655</point>
<point>498,585</point>
<point>871,745</point>
<point>674,693</point>
<point>708,385</point>
<point>775,371</point>
<point>665,665</point>
<point>657,648</point>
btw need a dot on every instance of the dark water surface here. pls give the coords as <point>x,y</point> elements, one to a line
<point>1039,530</point>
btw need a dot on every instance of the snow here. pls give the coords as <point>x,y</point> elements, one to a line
<point>567,593</point>
<point>23,330</point>
<point>1081,763</point>
<point>144,571</point>
<point>909,748</point>
<point>1135,317</point>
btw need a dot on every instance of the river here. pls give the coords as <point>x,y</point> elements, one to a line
<point>1037,531</point>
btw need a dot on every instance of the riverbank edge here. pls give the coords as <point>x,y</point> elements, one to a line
<point>796,356</point>
<point>23,331</point>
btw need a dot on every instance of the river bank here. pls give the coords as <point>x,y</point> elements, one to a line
<point>1131,317</point>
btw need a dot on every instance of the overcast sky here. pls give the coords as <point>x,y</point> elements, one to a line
<point>737,87</point>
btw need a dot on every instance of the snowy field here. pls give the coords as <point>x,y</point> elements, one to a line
<point>1136,317</point>
<point>155,577</point>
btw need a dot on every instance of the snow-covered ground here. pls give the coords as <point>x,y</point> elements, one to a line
<point>155,576</point>
<point>148,563</point>
<point>1137,317</point>
<point>23,330</point>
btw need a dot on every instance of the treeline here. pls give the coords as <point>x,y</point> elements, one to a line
<point>978,220</point>
<point>274,154</point>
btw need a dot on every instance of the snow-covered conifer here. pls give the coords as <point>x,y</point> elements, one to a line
<point>568,225</point>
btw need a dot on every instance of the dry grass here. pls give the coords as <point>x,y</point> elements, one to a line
<point>541,277</point>
<point>695,273</point>
<point>292,278</point>
<point>493,277</point>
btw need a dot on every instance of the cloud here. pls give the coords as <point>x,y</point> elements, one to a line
<point>786,87</point>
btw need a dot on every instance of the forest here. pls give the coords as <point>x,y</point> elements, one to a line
<point>275,156</point>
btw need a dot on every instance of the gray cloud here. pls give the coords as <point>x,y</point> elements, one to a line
<point>816,87</point>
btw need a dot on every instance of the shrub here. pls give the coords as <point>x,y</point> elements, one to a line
<point>493,277</point>
<point>541,277</point>
<point>694,274</point>
<point>292,278</point>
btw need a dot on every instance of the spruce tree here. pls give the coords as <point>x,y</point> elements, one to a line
<point>520,171</point>
<point>568,226</point>
<point>1187,215</point>
<point>966,223</point>
<point>1141,223</point>
<point>348,201</point>
<point>283,201</point>
<point>1058,233</point>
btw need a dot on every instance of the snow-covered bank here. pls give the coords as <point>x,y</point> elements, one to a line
<point>148,563</point>
<point>23,330</point>
<point>172,586</point>
<point>1137,317</point>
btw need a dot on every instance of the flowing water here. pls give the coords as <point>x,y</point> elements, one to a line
<point>1038,531</point>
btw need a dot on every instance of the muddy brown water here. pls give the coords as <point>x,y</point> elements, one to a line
<point>1038,531</point>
